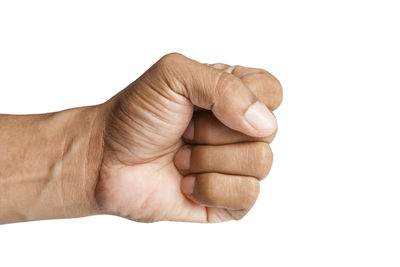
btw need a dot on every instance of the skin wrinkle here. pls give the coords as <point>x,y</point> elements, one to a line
<point>101,187</point>
<point>215,91</point>
<point>158,116</point>
<point>185,214</point>
<point>222,87</point>
<point>180,99</point>
<point>148,141</point>
<point>249,159</point>
<point>169,96</point>
<point>173,148</point>
<point>214,133</point>
<point>175,82</point>
<point>131,120</point>
<point>115,129</point>
<point>158,105</point>
<point>218,216</point>
<point>114,152</point>
<point>144,204</point>
<point>90,194</point>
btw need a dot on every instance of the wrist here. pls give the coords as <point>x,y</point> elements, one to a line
<point>85,153</point>
<point>51,164</point>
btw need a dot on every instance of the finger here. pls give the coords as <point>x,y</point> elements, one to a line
<point>226,95</point>
<point>246,159</point>
<point>236,193</point>
<point>205,129</point>
<point>262,83</point>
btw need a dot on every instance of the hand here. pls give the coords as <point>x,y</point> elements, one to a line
<point>188,142</point>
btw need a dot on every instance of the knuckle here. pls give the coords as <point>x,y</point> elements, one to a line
<point>276,90</point>
<point>166,61</point>
<point>219,66</point>
<point>171,57</point>
<point>166,73</point>
<point>226,81</point>
<point>236,193</point>
<point>238,214</point>
<point>248,189</point>
<point>278,97</point>
<point>263,159</point>
<point>207,192</point>
<point>274,81</point>
<point>266,86</point>
<point>200,160</point>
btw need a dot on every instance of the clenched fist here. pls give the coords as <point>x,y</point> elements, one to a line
<point>184,142</point>
<point>188,142</point>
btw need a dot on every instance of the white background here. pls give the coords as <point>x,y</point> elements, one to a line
<point>333,195</point>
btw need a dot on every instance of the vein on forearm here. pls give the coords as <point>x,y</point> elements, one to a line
<point>44,170</point>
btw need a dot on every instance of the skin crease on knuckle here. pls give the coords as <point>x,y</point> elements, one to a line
<point>257,80</point>
<point>167,69</point>
<point>262,83</point>
<point>224,191</point>
<point>208,130</point>
<point>248,159</point>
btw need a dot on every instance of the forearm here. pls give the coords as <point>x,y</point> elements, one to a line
<point>49,164</point>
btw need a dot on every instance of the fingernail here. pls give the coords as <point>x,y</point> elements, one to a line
<point>182,158</point>
<point>259,116</point>
<point>189,133</point>
<point>188,184</point>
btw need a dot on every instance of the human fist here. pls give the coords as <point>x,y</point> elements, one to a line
<point>188,142</point>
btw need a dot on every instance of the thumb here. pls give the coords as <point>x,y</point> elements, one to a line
<point>223,93</point>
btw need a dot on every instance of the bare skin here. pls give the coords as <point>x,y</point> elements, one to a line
<point>185,142</point>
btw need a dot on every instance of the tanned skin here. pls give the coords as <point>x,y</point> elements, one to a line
<point>184,142</point>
